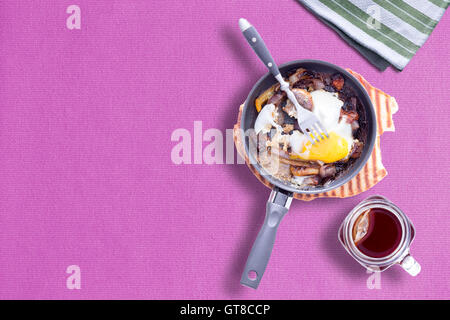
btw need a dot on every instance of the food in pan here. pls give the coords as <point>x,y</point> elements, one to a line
<point>340,112</point>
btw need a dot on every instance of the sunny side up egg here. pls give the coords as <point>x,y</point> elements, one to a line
<point>327,108</point>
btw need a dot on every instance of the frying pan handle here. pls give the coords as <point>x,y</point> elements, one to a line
<point>277,206</point>
<point>256,42</point>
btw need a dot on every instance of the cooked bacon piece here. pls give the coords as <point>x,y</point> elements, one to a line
<point>304,171</point>
<point>327,170</point>
<point>356,150</point>
<point>350,116</point>
<point>304,99</point>
<point>338,82</point>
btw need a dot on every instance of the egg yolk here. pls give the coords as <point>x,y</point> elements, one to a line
<point>329,150</point>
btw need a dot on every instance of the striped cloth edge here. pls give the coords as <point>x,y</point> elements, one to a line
<point>372,173</point>
<point>392,29</point>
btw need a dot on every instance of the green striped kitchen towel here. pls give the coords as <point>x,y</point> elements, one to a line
<point>384,31</point>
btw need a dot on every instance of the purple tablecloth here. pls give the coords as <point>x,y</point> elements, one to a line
<point>87,178</point>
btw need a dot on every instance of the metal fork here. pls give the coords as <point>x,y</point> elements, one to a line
<point>307,121</point>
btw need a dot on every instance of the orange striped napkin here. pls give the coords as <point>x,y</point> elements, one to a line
<point>372,173</point>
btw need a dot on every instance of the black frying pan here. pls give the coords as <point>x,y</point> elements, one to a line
<point>282,193</point>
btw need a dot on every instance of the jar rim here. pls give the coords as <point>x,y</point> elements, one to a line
<point>367,204</point>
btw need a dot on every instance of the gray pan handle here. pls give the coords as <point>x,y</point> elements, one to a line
<point>277,206</point>
<point>258,45</point>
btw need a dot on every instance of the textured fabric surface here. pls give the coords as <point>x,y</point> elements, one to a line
<point>370,55</point>
<point>372,173</point>
<point>392,30</point>
<point>86,176</point>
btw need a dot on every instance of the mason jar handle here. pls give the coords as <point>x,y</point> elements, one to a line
<point>410,265</point>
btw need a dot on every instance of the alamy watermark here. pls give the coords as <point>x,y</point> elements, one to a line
<point>73,281</point>
<point>373,21</point>
<point>74,20</point>
<point>212,146</point>
<point>374,280</point>
<point>190,149</point>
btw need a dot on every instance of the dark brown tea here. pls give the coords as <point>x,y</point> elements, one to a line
<point>377,233</point>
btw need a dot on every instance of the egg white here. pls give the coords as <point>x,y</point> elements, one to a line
<point>327,108</point>
<point>266,119</point>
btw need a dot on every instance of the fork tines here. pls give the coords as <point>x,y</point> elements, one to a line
<point>314,130</point>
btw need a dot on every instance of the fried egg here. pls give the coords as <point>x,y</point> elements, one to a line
<point>327,108</point>
<point>266,119</point>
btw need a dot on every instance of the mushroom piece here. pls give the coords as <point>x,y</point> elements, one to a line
<point>304,171</point>
<point>296,76</point>
<point>318,84</point>
<point>294,162</point>
<point>327,170</point>
<point>312,181</point>
<point>356,150</point>
<point>276,99</point>
<point>285,158</point>
<point>304,99</point>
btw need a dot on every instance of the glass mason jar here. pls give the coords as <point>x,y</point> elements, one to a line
<point>400,254</point>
